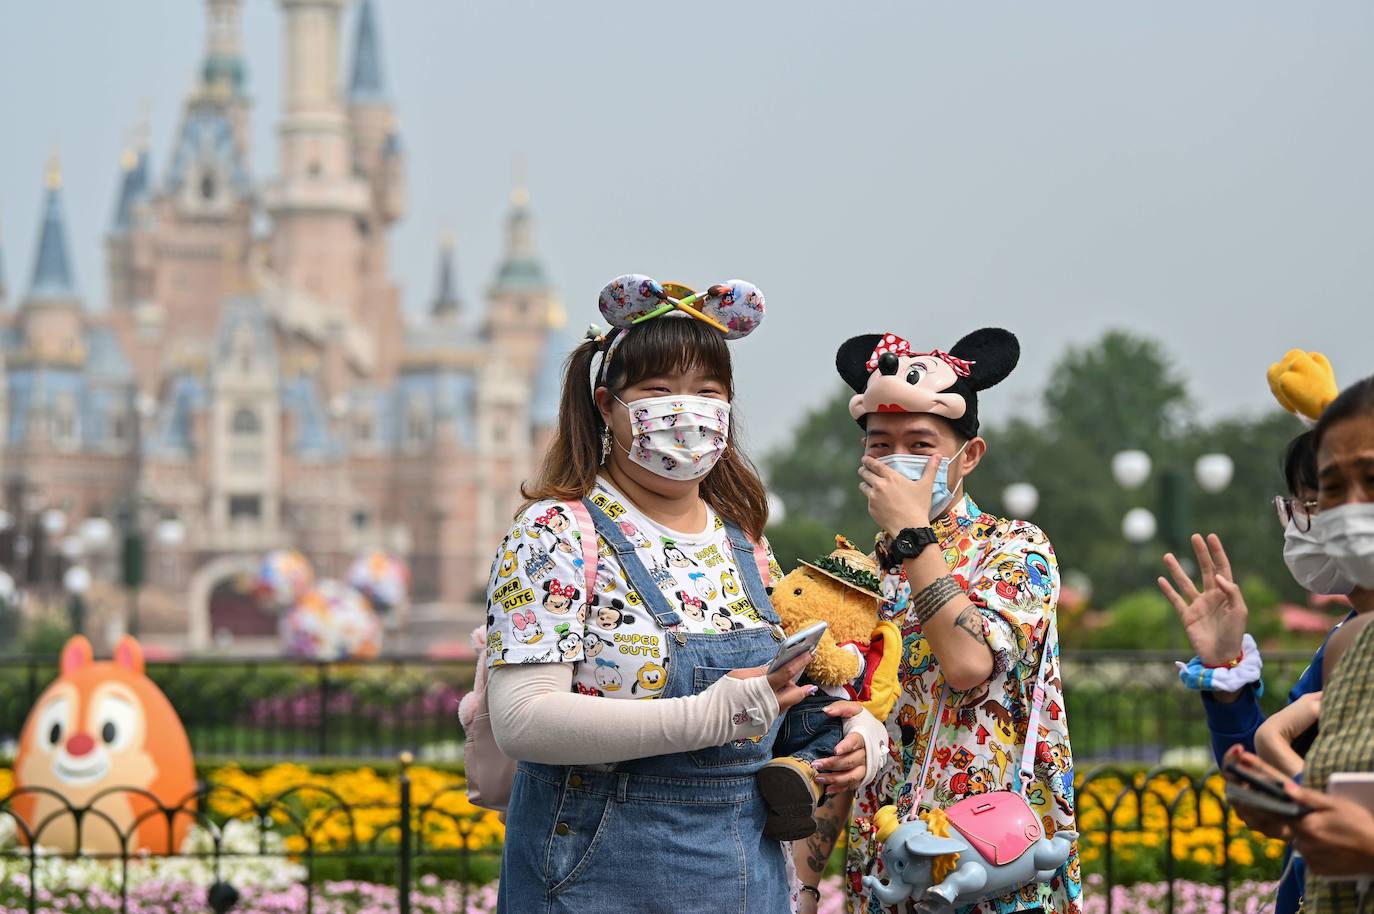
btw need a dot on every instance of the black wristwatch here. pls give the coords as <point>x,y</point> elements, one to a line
<point>911,542</point>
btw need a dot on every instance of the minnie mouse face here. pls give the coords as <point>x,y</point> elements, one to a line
<point>691,606</point>
<point>889,376</point>
<point>558,597</point>
<point>555,520</point>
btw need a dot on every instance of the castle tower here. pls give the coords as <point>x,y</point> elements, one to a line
<point>223,74</point>
<point>318,203</point>
<point>4,292</point>
<point>135,186</point>
<point>446,305</point>
<point>51,314</point>
<point>522,305</point>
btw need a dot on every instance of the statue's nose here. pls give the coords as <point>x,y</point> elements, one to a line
<point>887,363</point>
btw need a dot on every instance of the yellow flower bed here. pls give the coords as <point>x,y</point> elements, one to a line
<point>1141,814</point>
<point>357,807</point>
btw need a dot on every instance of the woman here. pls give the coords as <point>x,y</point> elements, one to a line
<point>1337,837</point>
<point>637,805</point>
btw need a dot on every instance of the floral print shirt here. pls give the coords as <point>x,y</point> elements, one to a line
<point>1009,571</point>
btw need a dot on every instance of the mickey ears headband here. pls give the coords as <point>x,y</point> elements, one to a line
<point>734,307</point>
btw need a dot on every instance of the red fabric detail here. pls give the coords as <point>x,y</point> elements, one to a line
<point>1000,825</point>
<point>557,589</point>
<point>873,656</point>
<point>891,408</point>
<point>889,343</point>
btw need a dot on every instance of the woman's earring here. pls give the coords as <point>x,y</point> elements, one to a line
<point>605,443</point>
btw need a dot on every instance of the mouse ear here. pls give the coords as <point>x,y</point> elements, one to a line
<point>851,361</point>
<point>736,304</point>
<point>993,351</point>
<point>628,297</point>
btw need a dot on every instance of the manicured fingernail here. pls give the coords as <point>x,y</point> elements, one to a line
<point>811,689</point>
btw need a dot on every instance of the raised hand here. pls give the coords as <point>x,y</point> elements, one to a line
<point>1214,617</point>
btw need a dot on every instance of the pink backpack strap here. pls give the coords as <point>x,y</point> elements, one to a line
<point>761,559</point>
<point>587,533</point>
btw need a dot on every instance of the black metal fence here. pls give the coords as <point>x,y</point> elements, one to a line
<point>309,826</point>
<point>1162,840</point>
<point>1122,706</point>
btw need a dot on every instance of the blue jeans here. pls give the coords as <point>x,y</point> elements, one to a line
<point>808,733</point>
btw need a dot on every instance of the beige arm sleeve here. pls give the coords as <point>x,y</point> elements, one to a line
<point>536,717</point>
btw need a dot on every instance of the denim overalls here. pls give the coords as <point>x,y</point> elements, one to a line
<point>672,834</point>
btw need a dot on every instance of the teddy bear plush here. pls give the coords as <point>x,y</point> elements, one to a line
<point>858,655</point>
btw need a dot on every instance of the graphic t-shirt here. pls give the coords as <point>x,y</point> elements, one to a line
<point>538,611</point>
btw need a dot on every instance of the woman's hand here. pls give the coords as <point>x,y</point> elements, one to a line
<point>849,765</point>
<point>1337,837</point>
<point>1215,617</point>
<point>784,681</point>
<point>1274,739</point>
<point>1260,820</point>
<point>894,501</point>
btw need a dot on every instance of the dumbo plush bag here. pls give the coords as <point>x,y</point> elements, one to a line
<point>984,846</point>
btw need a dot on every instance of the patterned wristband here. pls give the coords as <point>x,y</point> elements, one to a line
<point>1230,678</point>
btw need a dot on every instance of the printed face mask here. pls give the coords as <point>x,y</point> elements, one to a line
<point>913,466</point>
<point>677,437</point>
<point>1310,564</point>
<point>1347,535</point>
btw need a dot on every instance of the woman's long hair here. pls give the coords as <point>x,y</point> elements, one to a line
<point>665,345</point>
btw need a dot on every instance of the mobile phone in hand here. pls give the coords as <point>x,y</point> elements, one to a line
<point>1238,795</point>
<point>798,643</point>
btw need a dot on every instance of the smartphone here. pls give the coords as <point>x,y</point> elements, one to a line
<point>1268,786</point>
<point>1237,795</point>
<point>798,643</point>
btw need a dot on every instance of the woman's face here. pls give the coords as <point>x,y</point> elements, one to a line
<point>1345,463</point>
<point>691,383</point>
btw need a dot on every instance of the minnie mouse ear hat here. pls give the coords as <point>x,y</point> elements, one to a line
<point>888,376</point>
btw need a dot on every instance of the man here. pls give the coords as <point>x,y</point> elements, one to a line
<point>974,596</point>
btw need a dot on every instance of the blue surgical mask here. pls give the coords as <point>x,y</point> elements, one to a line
<point>913,467</point>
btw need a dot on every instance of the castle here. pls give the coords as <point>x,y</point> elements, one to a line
<point>253,375</point>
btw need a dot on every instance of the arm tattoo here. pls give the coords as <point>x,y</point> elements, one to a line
<point>971,621</point>
<point>932,598</point>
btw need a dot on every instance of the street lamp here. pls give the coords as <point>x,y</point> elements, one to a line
<point>97,532</point>
<point>1020,499</point>
<point>1139,526</point>
<point>76,581</point>
<point>1131,468</point>
<point>776,509</point>
<point>1213,472</point>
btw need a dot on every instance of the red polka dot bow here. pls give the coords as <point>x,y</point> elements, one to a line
<point>900,347</point>
<point>561,590</point>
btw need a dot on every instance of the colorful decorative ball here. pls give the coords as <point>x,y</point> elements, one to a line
<point>381,577</point>
<point>332,622</point>
<point>284,578</point>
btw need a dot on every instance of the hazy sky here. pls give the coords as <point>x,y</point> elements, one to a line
<point>1201,172</point>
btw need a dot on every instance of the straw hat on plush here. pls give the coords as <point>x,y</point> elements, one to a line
<point>851,567</point>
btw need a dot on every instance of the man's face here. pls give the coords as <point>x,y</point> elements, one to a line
<point>909,433</point>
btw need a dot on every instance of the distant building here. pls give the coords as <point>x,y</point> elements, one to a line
<point>254,375</point>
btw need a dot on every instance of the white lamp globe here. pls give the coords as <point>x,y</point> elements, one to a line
<point>1138,526</point>
<point>72,547</point>
<point>170,532</point>
<point>1131,468</point>
<point>1214,472</point>
<point>97,532</point>
<point>54,521</point>
<point>6,520</point>
<point>776,509</point>
<point>77,579</point>
<point>1021,499</point>
<point>6,587</point>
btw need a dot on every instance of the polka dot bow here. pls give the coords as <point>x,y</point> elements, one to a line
<point>899,347</point>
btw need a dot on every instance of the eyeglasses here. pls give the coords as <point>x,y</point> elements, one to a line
<point>1299,512</point>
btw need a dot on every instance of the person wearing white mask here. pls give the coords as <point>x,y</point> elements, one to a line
<point>1226,668</point>
<point>975,597</point>
<point>1335,834</point>
<point>635,779</point>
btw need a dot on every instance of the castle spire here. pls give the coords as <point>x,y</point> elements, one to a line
<point>223,68</point>
<point>134,180</point>
<point>52,274</point>
<point>446,301</point>
<point>367,85</point>
<point>521,267</point>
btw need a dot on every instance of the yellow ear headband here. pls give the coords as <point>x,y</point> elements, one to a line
<point>1303,383</point>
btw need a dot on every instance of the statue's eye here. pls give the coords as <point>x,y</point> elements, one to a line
<point>913,377</point>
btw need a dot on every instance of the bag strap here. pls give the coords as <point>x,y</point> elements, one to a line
<point>586,532</point>
<point>1027,769</point>
<point>761,559</point>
